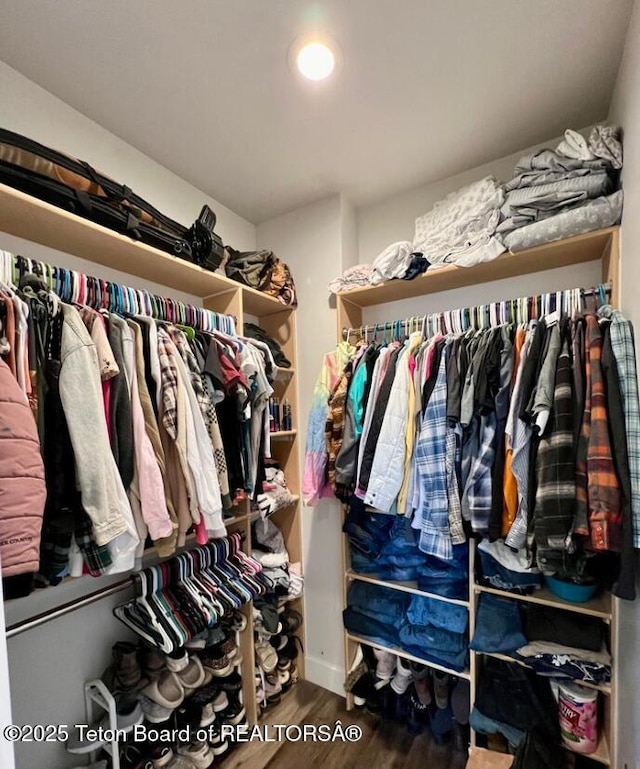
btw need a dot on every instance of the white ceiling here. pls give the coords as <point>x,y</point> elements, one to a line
<point>427,88</point>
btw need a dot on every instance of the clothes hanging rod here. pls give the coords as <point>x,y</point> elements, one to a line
<point>416,320</point>
<point>73,286</point>
<point>66,608</point>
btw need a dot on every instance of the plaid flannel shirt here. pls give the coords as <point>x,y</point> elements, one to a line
<point>603,487</point>
<point>430,453</point>
<point>478,489</point>
<point>169,376</point>
<point>622,343</point>
<point>555,494</point>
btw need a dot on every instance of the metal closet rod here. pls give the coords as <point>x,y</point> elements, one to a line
<point>66,608</point>
<point>385,326</point>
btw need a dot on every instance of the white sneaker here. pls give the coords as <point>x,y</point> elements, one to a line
<point>402,679</point>
<point>199,753</point>
<point>386,663</point>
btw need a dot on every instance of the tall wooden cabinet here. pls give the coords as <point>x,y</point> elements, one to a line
<point>37,221</point>
<point>601,246</point>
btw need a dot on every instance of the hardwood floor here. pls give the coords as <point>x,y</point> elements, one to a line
<point>383,745</point>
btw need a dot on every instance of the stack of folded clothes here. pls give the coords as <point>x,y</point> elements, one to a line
<point>505,569</point>
<point>437,631</point>
<point>566,645</point>
<point>353,277</point>
<point>385,546</point>
<point>461,228</point>
<point>564,192</point>
<point>555,643</point>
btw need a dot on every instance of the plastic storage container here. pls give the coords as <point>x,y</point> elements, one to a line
<point>569,591</point>
<point>578,714</point>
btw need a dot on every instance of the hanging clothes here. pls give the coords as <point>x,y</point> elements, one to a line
<point>489,447</point>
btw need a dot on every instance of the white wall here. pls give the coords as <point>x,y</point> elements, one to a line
<point>30,110</point>
<point>625,110</point>
<point>48,665</point>
<point>311,241</point>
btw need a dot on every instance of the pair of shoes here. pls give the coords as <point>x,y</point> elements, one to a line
<point>161,697</point>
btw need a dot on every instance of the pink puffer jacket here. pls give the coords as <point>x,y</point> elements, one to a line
<point>22,488</point>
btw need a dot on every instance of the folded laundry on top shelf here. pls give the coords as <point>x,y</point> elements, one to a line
<point>593,215</point>
<point>526,205</point>
<point>460,229</point>
<point>353,277</point>
<point>393,262</point>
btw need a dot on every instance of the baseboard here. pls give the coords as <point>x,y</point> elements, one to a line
<point>324,674</point>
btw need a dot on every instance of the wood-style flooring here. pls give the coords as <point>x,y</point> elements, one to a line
<point>383,745</point>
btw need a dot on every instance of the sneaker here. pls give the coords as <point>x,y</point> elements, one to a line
<point>216,662</point>
<point>230,683</point>
<point>167,759</point>
<point>166,691</point>
<point>153,711</point>
<point>386,663</point>
<point>126,718</point>
<point>402,679</point>
<point>192,676</point>
<point>218,745</point>
<point>199,753</point>
<point>208,716</point>
<point>229,647</point>
<point>234,712</point>
<point>177,660</point>
<point>131,757</point>
<point>212,695</point>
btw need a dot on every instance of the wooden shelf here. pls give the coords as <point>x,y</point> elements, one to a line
<point>604,688</point>
<point>406,587</point>
<point>282,434</point>
<point>27,217</point>
<point>599,606</point>
<point>601,755</point>
<point>284,373</point>
<point>561,253</point>
<point>405,655</point>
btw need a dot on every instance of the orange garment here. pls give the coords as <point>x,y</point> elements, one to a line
<point>509,485</point>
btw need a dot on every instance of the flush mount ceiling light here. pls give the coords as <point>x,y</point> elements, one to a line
<point>315,58</point>
<point>315,61</point>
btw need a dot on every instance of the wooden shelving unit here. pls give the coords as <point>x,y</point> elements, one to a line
<point>40,222</point>
<point>602,246</point>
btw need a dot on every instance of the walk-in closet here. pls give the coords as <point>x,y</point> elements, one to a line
<point>319,398</point>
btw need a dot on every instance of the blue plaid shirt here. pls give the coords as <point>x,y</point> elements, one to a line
<point>431,464</point>
<point>622,344</point>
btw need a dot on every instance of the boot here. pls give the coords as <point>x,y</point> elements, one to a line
<point>124,674</point>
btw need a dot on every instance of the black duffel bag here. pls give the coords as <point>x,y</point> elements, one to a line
<point>76,186</point>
